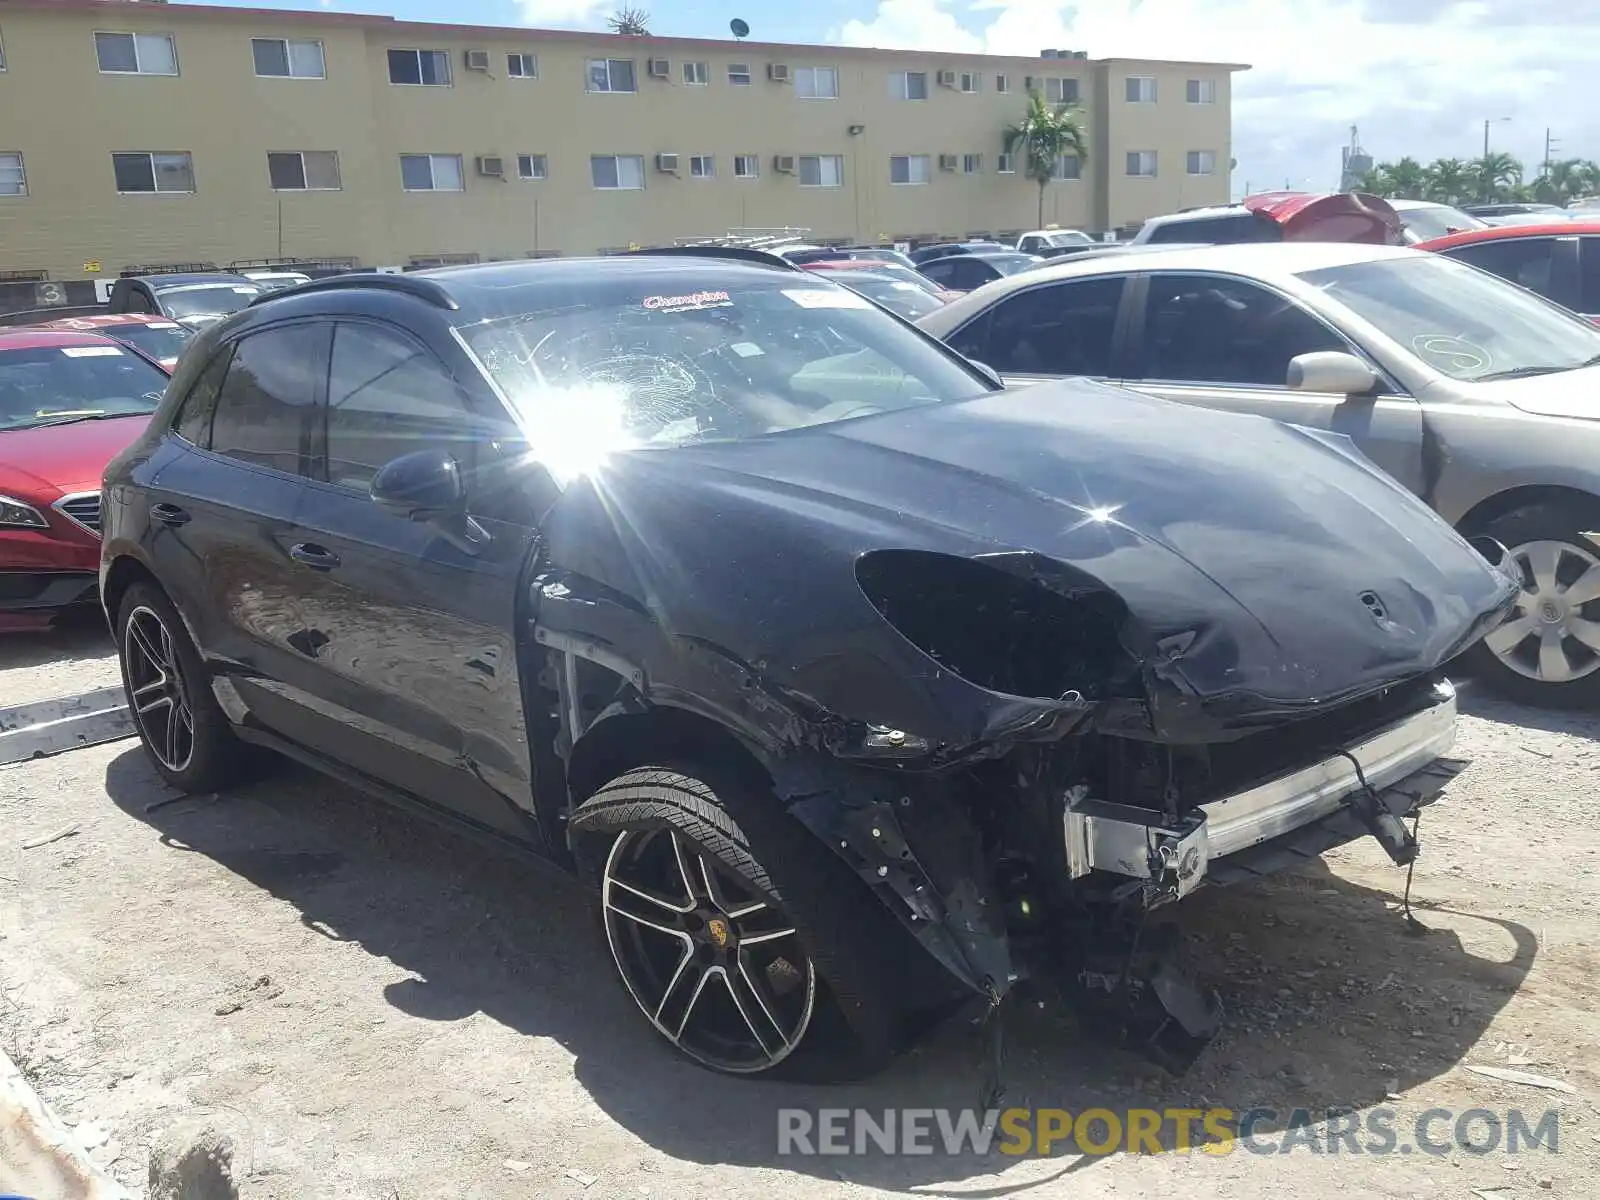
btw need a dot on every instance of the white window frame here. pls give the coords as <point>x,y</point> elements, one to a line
<point>444,56</point>
<point>3,55</point>
<point>739,74</point>
<point>527,65</point>
<point>22,174</point>
<point>138,68</point>
<point>1002,84</point>
<point>1058,173</point>
<point>696,74</point>
<point>610,89</point>
<point>814,74</point>
<point>338,173</point>
<point>969,83</point>
<point>1205,91</point>
<point>1005,164</point>
<point>972,164</point>
<point>1192,158</point>
<point>288,58</point>
<point>541,161</point>
<point>900,85</point>
<point>461,173</point>
<point>800,169</point>
<point>1155,164</point>
<point>912,161</point>
<point>618,160</point>
<point>702,166</point>
<point>155,178</point>
<point>1146,95</point>
<point>1056,86</point>
<point>751,161</point>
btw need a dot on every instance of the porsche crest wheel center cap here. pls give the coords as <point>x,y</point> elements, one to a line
<point>720,932</point>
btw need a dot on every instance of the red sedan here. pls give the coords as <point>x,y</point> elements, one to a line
<point>1559,260</point>
<point>69,403</point>
<point>153,336</point>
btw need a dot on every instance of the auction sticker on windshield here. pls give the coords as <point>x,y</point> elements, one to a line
<point>687,302</point>
<point>91,352</point>
<point>827,298</point>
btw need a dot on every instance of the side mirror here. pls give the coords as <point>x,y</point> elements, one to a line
<point>422,486</point>
<point>987,372</point>
<point>1331,371</point>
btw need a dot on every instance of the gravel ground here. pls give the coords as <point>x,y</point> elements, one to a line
<point>371,1009</point>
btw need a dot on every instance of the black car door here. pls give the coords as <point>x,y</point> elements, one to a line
<point>411,635</point>
<point>222,507</point>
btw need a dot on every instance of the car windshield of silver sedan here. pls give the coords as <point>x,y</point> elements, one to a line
<point>207,299</point>
<point>1436,220</point>
<point>55,385</point>
<point>651,370</point>
<point>1462,322</point>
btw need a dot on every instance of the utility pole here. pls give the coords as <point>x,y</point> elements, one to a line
<point>1551,144</point>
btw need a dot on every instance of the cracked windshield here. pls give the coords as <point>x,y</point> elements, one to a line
<point>868,598</point>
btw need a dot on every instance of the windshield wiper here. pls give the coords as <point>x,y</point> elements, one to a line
<point>74,418</point>
<point>1529,372</point>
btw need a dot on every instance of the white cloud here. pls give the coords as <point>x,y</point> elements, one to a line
<point>557,14</point>
<point>1418,76</point>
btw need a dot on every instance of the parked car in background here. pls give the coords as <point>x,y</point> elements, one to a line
<point>908,300</point>
<point>196,300</point>
<point>273,281</point>
<point>1485,211</point>
<point>69,401</point>
<point>154,337</point>
<point>1425,219</point>
<point>1560,261</point>
<point>945,249</point>
<point>1055,243</point>
<point>842,270</point>
<point>964,272</point>
<point>869,254</point>
<point>1477,396</point>
<point>1280,217</point>
<point>854,686</point>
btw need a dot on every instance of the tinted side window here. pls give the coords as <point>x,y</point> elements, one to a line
<point>388,396</point>
<point>939,272</point>
<point>1208,329</point>
<point>1524,261</point>
<point>969,273</point>
<point>1589,275</point>
<point>193,422</point>
<point>1059,329</point>
<point>263,411</point>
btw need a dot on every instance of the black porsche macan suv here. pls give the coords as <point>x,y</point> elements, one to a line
<point>857,688</point>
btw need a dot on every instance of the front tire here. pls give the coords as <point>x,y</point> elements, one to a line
<point>1547,652</point>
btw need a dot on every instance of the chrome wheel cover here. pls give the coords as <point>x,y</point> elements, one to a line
<point>1547,637</point>
<point>715,967</point>
<point>158,694</point>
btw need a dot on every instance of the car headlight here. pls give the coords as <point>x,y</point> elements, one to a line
<point>14,514</point>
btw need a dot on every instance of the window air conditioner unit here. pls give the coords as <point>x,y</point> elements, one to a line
<point>491,165</point>
<point>947,79</point>
<point>667,164</point>
<point>477,60</point>
<point>660,68</point>
<point>947,162</point>
<point>783,163</point>
<point>778,72</point>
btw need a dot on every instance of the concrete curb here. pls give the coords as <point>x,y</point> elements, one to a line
<point>39,1158</point>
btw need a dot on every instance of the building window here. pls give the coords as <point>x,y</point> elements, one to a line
<point>908,85</point>
<point>1061,91</point>
<point>611,75</point>
<point>697,74</point>
<point>968,81</point>
<point>1068,166</point>
<point>739,74</point>
<point>431,173</point>
<point>1141,89</point>
<point>2,56</point>
<point>1002,84</point>
<point>822,170</point>
<point>617,172</point>
<point>908,168</point>
<point>532,166</point>
<point>1202,91</point>
<point>13,182</point>
<point>971,164</point>
<point>816,83</point>
<point>284,58</point>
<point>136,53</point>
<point>746,166</point>
<point>702,166</point>
<point>522,66</point>
<point>1004,164</point>
<point>1142,164</point>
<point>429,67</point>
<point>303,170</point>
<point>149,172</point>
<point>1201,162</point>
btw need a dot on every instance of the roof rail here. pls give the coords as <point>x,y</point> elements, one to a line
<point>427,290</point>
<point>763,258</point>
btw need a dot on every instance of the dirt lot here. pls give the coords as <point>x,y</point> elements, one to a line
<point>372,1009</point>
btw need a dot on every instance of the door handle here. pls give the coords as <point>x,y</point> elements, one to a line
<point>314,556</point>
<point>168,514</point>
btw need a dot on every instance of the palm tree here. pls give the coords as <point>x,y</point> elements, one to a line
<point>1498,175</point>
<point>1046,135</point>
<point>1375,181</point>
<point>630,22</point>
<point>1407,178</point>
<point>1448,181</point>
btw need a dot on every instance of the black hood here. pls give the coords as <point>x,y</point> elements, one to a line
<point>1265,569</point>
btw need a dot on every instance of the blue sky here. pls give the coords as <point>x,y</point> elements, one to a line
<point>1419,77</point>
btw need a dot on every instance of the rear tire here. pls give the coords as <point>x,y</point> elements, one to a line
<point>682,863</point>
<point>1547,652</point>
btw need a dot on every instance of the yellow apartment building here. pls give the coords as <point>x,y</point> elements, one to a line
<point>155,133</point>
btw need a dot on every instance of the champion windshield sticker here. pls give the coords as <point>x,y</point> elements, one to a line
<point>91,352</point>
<point>687,302</point>
<point>171,324</point>
<point>827,298</point>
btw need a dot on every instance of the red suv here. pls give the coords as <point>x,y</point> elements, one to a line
<point>69,403</point>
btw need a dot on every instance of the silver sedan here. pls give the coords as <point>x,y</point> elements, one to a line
<point>1476,395</point>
